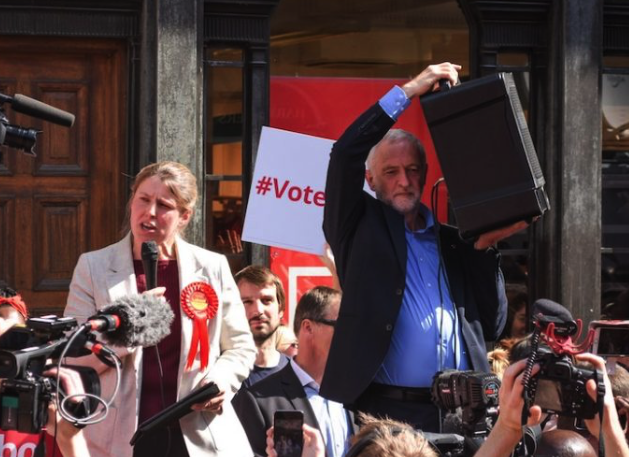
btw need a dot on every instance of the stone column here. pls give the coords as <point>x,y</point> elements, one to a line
<point>172,92</point>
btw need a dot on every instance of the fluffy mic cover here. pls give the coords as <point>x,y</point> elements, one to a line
<point>549,308</point>
<point>144,320</point>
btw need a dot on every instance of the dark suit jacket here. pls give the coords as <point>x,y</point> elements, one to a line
<point>369,246</point>
<point>255,405</point>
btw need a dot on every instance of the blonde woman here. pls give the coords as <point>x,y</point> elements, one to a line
<point>161,206</point>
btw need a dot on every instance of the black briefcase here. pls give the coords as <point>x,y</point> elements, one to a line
<point>486,154</point>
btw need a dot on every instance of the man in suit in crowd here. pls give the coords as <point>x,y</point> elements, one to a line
<point>296,386</point>
<point>263,297</point>
<point>416,298</point>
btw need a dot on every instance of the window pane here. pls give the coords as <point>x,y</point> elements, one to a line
<point>224,130</point>
<point>366,39</point>
<point>615,168</point>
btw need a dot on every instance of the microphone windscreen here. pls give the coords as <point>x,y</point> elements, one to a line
<point>144,320</point>
<point>549,308</point>
<point>35,108</point>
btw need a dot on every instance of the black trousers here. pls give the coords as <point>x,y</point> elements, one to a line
<point>421,415</point>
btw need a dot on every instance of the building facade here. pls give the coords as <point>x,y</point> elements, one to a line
<point>193,81</point>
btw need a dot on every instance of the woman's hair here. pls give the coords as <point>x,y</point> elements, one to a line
<point>388,438</point>
<point>284,338</point>
<point>498,361</point>
<point>177,177</point>
<point>517,297</point>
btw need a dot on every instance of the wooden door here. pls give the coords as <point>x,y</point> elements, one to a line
<point>70,197</point>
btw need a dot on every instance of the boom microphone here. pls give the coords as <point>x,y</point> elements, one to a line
<point>26,105</point>
<point>136,320</point>
<point>150,254</point>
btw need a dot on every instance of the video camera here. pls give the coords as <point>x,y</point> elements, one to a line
<point>476,393</point>
<point>24,391</point>
<point>22,138</point>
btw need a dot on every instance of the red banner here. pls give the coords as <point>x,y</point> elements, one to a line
<point>324,107</point>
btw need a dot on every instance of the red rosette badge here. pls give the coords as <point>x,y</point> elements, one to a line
<point>200,303</point>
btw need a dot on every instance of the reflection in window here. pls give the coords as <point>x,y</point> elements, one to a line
<point>615,195</point>
<point>223,149</point>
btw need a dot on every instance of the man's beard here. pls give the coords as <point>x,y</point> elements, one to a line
<point>261,338</point>
<point>411,207</point>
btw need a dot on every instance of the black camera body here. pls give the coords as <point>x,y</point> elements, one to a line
<point>24,391</point>
<point>25,404</point>
<point>559,387</point>
<point>475,392</point>
<point>466,389</point>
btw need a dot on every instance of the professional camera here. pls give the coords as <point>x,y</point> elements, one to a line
<point>476,393</point>
<point>24,391</point>
<point>22,138</point>
<point>559,386</point>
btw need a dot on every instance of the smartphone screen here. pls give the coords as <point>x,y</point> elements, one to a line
<point>611,341</point>
<point>287,433</point>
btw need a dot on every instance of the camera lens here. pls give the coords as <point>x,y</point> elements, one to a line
<point>19,138</point>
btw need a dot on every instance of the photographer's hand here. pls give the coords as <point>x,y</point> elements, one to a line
<point>69,438</point>
<point>622,406</point>
<point>613,434</point>
<point>508,429</point>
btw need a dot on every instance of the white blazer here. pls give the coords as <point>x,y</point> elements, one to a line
<point>103,276</point>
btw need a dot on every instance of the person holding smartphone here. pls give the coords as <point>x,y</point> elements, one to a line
<point>296,386</point>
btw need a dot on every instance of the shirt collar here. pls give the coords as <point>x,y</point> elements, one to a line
<point>428,218</point>
<point>304,378</point>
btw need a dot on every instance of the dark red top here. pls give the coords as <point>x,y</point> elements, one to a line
<point>169,348</point>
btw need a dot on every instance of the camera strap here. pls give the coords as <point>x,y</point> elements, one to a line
<point>600,405</point>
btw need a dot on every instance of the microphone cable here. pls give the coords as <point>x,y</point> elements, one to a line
<point>442,275</point>
<point>434,200</point>
<point>98,415</point>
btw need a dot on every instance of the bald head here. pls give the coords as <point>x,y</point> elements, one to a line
<point>564,443</point>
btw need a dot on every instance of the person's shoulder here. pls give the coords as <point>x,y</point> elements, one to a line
<point>201,253</point>
<point>271,383</point>
<point>109,250</point>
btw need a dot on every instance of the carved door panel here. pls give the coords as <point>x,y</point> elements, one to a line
<point>70,197</point>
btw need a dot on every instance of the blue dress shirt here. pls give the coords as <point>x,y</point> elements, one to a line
<point>427,335</point>
<point>332,417</point>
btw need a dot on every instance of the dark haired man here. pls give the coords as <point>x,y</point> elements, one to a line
<point>296,386</point>
<point>262,294</point>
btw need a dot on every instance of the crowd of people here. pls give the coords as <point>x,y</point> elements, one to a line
<point>410,299</point>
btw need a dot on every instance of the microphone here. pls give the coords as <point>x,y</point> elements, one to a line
<point>150,253</point>
<point>136,320</point>
<point>26,105</point>
<point>550,308</point>
<point>546,311</point>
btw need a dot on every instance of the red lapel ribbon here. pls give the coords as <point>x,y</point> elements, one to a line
<point>200,303</point>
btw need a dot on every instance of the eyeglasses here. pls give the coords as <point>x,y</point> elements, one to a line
<point>330,322</point>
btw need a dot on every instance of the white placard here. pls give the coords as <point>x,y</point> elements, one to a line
<point>285,207</point>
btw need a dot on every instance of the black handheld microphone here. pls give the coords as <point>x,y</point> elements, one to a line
<point>26,105</point>
<point>136,320</point>
<point>150,254</point>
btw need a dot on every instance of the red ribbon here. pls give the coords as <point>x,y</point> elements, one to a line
<point>200,303</point>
